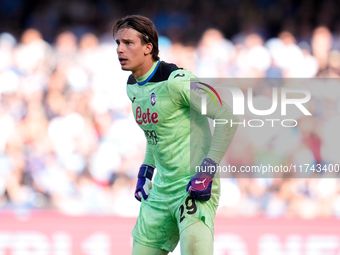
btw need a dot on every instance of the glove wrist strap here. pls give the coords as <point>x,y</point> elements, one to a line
<point>208,167</point>
<point>146,171</point>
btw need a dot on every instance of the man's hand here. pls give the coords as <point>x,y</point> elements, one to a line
<point>144,183</point>
<point>200,185</point>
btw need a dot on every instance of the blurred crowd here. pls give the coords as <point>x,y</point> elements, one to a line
<point>68,139</point>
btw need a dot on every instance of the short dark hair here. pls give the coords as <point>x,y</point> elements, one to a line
<point>143,25</point>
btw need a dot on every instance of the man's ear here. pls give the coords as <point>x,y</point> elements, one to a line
<point>148,48</point>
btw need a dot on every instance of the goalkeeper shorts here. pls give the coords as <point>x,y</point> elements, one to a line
<point>161,220</point>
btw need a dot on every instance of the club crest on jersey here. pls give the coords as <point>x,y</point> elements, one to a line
<point>153,99</point>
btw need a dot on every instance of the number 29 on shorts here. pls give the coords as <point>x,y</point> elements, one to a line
<point>189,206</point>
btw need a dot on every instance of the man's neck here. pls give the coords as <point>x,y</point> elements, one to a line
<point>143,69</point>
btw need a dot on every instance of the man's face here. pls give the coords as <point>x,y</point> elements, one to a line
<point>131,52</point>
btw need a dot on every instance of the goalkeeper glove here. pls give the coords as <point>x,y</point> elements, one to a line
<point>144,182</point>
<point>200,185</point>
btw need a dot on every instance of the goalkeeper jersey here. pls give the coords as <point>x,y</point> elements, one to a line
<point>178,136</point>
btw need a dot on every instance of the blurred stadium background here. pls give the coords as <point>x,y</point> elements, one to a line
<point>70,150</point>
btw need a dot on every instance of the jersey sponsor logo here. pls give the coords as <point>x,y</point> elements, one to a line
<point>151,136</point>
<point>146,118</point>
<point>179,75</point>
<point>153,99</point>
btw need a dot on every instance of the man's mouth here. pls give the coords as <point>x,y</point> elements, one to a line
<point>122,61</point>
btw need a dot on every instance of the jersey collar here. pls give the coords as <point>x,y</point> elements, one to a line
<point>146,77</point>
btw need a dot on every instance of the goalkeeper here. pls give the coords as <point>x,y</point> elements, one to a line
<point>181,205</point>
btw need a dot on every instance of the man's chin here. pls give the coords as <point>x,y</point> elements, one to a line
<point>125,68</point>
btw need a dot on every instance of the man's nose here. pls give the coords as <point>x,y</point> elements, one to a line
<point>120,48</point>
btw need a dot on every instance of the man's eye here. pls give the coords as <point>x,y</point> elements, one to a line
<point>128,43</point>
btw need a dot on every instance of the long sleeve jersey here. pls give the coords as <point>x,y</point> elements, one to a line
<point>178,135</point>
